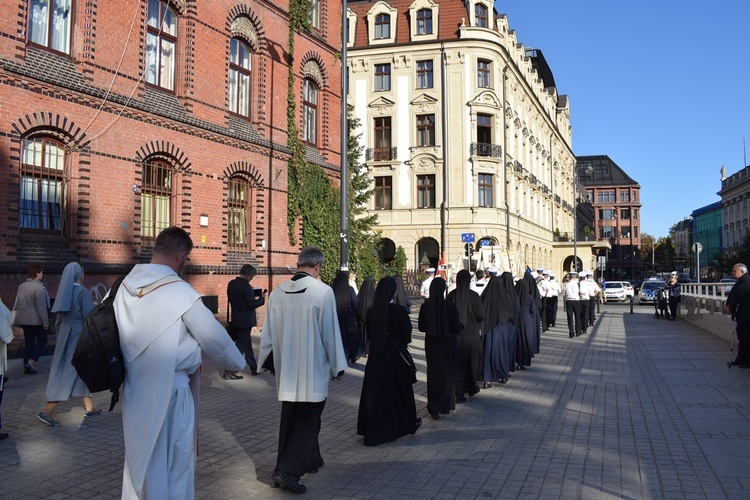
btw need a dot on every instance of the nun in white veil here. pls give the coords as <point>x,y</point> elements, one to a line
<point>72,304</point>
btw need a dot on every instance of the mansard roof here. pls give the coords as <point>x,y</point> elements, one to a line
<point>605,172</point>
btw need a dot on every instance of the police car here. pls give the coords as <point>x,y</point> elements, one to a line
<point>647,293</point>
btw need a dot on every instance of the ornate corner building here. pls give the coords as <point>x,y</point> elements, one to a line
<point>464,131</point>
<point>118,119</point>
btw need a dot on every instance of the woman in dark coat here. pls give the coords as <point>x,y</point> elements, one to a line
<point>468,340</point>
<point>528,322</point>
<point>439,320</point>
<point>365,298</point>
<point>501,311</point>
<point>386,406</point>
<point>346,309</point>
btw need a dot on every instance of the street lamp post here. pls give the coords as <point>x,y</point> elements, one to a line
<point>344,233</point>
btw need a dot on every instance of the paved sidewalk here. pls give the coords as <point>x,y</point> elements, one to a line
<point>638,408</point>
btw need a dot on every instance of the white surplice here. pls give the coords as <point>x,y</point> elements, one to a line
<point>302,329</point>
<point>164,327</point>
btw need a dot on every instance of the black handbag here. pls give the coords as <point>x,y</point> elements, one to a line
<point>405,355</point>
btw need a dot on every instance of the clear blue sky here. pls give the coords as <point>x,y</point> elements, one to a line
<point>660,86</point>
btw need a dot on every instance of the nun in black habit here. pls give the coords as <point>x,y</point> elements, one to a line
<point>365,298</point>
<point>439,320</point>
<point>468,340</point>
<point>529,328</point>
<point>501,312</point>
<point>386,406</point>
<point>346,309</point>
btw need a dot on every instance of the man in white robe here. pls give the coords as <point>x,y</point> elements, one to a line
<point>164,327</point>
<point>302,341</point>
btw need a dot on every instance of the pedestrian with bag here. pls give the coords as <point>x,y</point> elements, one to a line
<point>30,313</point>
<point>244,302</point>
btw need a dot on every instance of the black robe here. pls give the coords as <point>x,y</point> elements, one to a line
<point>386,406</point>
<point>469,346</point>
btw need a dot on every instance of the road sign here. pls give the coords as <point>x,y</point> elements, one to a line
<point>467,237</point>
<point>485,243</point>
<point>697,247</point>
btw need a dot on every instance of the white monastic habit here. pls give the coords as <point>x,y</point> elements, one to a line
<point>308,351</point>
<point>164,327</point>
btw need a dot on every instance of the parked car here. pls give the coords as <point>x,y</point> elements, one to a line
<point>648,290</point>
<point>629,291</point>
<point>728,287</point>
<point>615,291</point>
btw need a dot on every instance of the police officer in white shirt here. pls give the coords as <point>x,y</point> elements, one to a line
<point>424,291</point>
<point>594,292</point>
<point>553,292</point>
<point>585,300</point>
<point>543,284</point>
<point>572,296</point>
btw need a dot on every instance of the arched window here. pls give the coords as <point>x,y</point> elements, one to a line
<point>49,24</point>
<point>156,195</point>
<point>309,111</point>
<point>161,42</point>
<point>42,185</point>
<point>480,16</point>
<point>240,77</point>
<point>239,201</point>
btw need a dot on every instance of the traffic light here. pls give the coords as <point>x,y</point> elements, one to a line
<point>468,249</point>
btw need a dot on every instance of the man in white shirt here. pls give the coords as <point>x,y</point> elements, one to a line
<point>572,297</point>
<point>424,291</point>
<point>301,341</point>
<point>480,282</point>
<point>553,293</point>
<point>585,300</point>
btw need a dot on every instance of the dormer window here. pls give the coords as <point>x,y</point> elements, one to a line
<point>481,18</point>
<point>49,24</point>
<point>382,26</point>
<point>424,22</point>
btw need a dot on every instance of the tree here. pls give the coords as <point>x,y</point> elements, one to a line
<point>647,248</point>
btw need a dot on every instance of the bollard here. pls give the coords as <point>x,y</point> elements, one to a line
<point>631,305</point>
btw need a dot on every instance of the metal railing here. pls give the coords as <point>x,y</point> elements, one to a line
<point>486,149</point>
<point>380,154</point>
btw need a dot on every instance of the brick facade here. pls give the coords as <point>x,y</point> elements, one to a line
<point>95,104</point>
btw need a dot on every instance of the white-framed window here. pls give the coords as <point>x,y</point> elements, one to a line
<point>315,14</point>
<point>49,24</point>
<point>382,26</point>
<point>483,73</point>
<point>426,130</point>
<point>381,22</point>
<point>424,22</point>
<point>382,77</point>
<point>240,77</point>
<point>156,196</point>
<point>485,183</point>
<point>424,74</point>
<point>161,44</point>
<point>481,16</point>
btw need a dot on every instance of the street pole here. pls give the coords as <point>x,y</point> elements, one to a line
<point>344,233</point>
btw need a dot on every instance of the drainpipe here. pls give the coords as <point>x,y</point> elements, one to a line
<point>444,119</point>
<point>505,171</point>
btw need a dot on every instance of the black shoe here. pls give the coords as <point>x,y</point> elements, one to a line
<point>254,373</point>
<point>435,415</point>
<point>419,424</point>
<point>287,482</point>
<point>460,400</point>
<point>571,336</point>
<point>486,385</point>
<point>736,363</point>
<point>3,435</point>
<point>746,365</point>
<point>29,370</point>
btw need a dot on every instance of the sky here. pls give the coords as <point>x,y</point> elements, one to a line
<point>660,86</point>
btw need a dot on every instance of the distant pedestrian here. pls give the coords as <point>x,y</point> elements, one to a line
<point>72,304</point>
<point>30,313</point>
<point>468,341</point>
<point>673,288</point>
<point>244,302</point>
<point>738,305</point>
<point>440,322</point>
<point>387,409</point>
<point>301,336</point>
<point>346,310</point>
<point>553,295</point>
<point>165,329</point>
<point>424,290</point>
<point>6,337</point>
<point>572,297</point>
<point>353,282</point>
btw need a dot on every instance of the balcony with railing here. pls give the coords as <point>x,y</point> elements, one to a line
<point>486,149</point>
<point>380,154</point>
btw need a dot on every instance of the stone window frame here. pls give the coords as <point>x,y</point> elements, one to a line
<point>173,38</point>
<point>39,173</point>
<point>379,192</point>
<point>473,13</point>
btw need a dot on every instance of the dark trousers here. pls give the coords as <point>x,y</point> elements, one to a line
<point>585,309</point>
<point>673,304</point>
<point>592,310</point>
<point>245,345</point>
<point>543,314</point>
<point>552,310</point>
<point>1,398</point>
<point>573,311</point>
<point>299,452</point>
<point>743,342</point>
<point>34,340</point>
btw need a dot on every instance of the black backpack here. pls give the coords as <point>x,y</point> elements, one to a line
<point>98,357</point>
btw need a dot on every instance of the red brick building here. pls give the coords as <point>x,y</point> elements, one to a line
<point>120,118</point>
<point>616,201</point>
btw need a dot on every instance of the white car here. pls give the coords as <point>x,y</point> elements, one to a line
<point>615,290</point>
<point>629,291</point>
